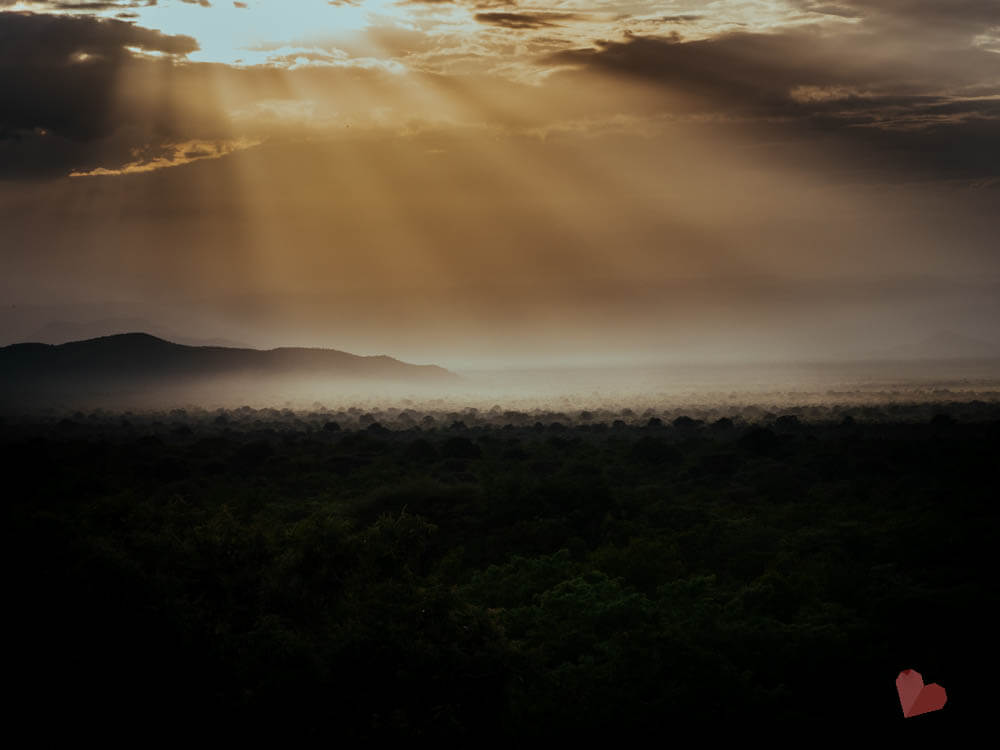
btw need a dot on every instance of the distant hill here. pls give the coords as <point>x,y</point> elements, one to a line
<point>63,331</point>
<point>138,362</point>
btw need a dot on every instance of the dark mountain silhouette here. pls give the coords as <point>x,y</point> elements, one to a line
<point>65,331</point>
<point>132,362</point>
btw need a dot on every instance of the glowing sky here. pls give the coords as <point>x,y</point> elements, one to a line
<point>464,181</point>
<point>493,35</point>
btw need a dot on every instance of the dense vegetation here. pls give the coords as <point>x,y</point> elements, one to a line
<point>453,576</point>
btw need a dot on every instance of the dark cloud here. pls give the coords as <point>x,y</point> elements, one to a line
<point>982,13</point>
<point>57,83</point>
<point>761,70</point>
<point>85,5</point>
<point>893,102</point>
<point>523,20</point>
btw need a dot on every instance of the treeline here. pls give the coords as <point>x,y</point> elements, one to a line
<point>271,572</point>
<point>428,418</point>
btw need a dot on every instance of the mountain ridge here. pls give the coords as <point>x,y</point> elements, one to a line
<point>148,338</point>
<point>138,361</point>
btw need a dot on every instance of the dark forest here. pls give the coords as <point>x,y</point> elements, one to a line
<point>369,576</point>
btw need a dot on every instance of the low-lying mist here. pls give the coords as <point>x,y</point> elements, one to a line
<point>569,397</point>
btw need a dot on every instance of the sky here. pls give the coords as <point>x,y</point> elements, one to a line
<point>504,183</point>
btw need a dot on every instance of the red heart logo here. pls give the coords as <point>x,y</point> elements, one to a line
<point>917,698</point>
